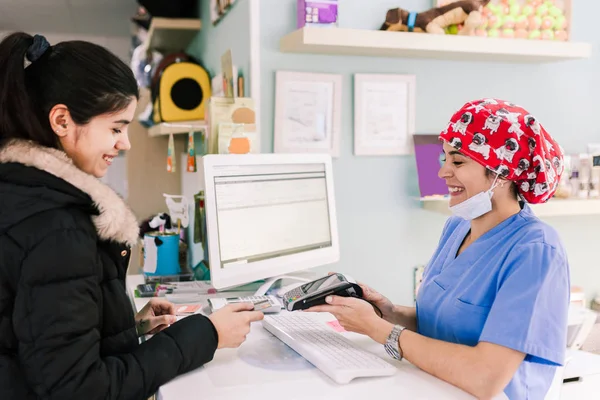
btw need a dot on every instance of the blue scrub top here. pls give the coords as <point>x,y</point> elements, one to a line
<point>510,287</point>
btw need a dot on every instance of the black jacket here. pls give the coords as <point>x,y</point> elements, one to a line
<point>67,328</point>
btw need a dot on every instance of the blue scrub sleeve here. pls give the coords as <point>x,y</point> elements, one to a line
<point>530,311</point>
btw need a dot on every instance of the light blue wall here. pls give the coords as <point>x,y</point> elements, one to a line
<point>232,32</point>
<point>383,232</point>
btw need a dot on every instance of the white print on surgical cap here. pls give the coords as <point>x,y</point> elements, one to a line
<point>533,123</point>
<point>515,127</point>
<point>508,103</point>
<point>522,167</point>
<point>540,188</point>
<point>532,143</point>
<point>456,143</point>
<point>538,161</point>
<point>460,126</point>
<point>550,173</point>
<point>502,170</point>
<point>492,123</point>
<point>507,152</point>
<point>511,117</point>
<point>483,105</point>
<point>480,146</point>
<point>558,165</point>
<point>549,145</point>
<point>525,186</point>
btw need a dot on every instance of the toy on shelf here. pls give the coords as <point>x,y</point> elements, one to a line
<point>320,13</point>
<point>524,19</point>
<point>466,13</point>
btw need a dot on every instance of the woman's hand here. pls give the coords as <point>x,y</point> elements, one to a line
<point>156,315</point>
<point>232,323</point>
<point>356,315</point>
<point>380,301</point>
<point>385,306</point>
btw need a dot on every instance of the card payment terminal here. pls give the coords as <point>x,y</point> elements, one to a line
<point>313,293</point>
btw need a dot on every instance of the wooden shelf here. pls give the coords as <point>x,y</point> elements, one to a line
<point>374,43</point>
<point>167,128</point>
<point>553,208</point>
<point>172,34</point>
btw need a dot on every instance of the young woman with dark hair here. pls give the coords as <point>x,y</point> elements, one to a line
<point>67,327</point>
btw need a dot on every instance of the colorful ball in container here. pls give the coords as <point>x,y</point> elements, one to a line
<point>528,10</point>
<point>515,10</point>
<point>547,22</point>
<point>561,35</point>
<point>494,22</point>
<point>509,22</point>
<point>555,11</point>
<point>521,33</point>
<point>508,33</point>
<point>560,22</point>
<point>481,32</point>
<point>542,10</point>
<point>535,34</point>
<point>547,34</point>
<point>535,22</point>
<point>494,33</point>
<point>521,22</point>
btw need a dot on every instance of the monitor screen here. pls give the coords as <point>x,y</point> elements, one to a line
<point>268,215</point>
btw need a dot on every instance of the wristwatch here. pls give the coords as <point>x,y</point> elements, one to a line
<point>392,346</point>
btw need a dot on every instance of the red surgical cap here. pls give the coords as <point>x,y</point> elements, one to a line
<point>508,140</point>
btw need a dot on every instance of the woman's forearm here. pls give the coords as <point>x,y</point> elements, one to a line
<point>405,316</point>
<point>483,370</point>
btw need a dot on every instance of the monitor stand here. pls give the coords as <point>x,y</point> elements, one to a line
<point>276,283</point>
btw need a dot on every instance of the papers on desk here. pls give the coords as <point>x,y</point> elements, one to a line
<point>193,287</point>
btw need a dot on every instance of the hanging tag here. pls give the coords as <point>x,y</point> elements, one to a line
<point>171,162</point>
<point>191,159</point>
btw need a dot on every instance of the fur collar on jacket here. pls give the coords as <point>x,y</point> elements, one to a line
<point>115,222</point>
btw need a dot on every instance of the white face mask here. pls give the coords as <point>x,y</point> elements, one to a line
<point>475,206</point>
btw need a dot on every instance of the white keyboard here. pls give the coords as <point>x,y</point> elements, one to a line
<point>329,351</point>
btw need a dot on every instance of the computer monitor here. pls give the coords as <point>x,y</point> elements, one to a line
<point>268,215</point>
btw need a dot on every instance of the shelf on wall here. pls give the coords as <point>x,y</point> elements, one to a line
<point>553,208</point>
<point>172,34</point>
<point>375,43</point>
<point>167,128</point>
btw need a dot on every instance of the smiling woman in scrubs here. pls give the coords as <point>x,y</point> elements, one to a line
<point>491,312</point>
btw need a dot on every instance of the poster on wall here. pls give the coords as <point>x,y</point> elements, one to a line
<point>429,156</point>
<point>384,114</point>
<point>308,113</point>
<point>219,8</point>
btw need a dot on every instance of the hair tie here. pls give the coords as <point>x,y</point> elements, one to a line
<point>37,49</point>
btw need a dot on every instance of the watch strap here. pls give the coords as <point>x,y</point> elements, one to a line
<point>392,345</point>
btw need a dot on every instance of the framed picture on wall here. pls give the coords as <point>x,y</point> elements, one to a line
<point>308,113</point>
<point>384,114</point>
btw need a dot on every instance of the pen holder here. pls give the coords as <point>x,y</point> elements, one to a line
<point>161,254</point>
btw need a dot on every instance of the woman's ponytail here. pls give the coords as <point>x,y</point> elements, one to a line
<point>19,117</point>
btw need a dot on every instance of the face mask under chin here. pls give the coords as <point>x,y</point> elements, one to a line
<point>475,206</point>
